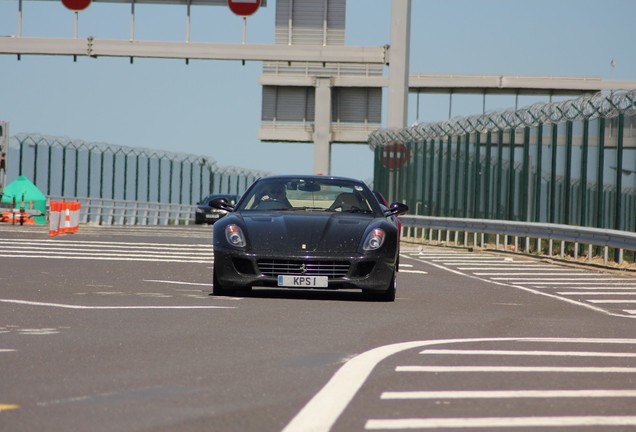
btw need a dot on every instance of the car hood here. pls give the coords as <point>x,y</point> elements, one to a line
<point>306,232</point>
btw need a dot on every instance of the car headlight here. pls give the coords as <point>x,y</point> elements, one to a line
<point>200,210</point>
<point>234,236</point>
<point>374,240</point>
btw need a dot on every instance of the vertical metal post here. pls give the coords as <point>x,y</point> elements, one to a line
<point>440,179</point>
<point>600,173</point>
<point>526,190</point>
<point>553,174</point>
<point>423,182</point>
<point>583,220</point>
<point>447,181</point>
<point>48,171</point>
<point>477,177</point>
<point>125,176</point>
<point>89,170</point>
<point>181,182</point>
<point>21,157</point>
<point>76,180</point>
<point>170,194</point>
<point>431,181</point>
<point>538,180</point>
<point>136,177</point>
<point>63,171</point>
<point>466,174</point>
<point>488,181</point>
<point>148,172</point>
<point>159,183</point>
<point>458,174</point>
<point>568,174</point>
<point>618,217</point>
<point>511,177</point>
<point>112,189</point>
<point>101,175</point>
<point>499,174</point>
<point>35,163</point>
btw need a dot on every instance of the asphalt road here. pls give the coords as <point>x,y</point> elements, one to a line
<point>113,329</point>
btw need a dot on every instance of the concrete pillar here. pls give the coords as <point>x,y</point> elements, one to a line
<point>322,126</point>
<point>399,64</point>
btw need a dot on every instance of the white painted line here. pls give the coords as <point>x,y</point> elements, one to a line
<point>632,311</point>
<point>322,411</point>
<point>509,394</point>
<point>529,353</point>
<point>67,306</point>
<point>413,271</point>
<point>500,422</point>
<point>592,288</point>
<point>510,268</point>
<point>612,301</point>
<point>6,350</point>
<point>597,293</point>
<point>596,279</point>
<point>102,258</point>
<point>178,282</point>
<point>496,369</point>
<point>528,274</point>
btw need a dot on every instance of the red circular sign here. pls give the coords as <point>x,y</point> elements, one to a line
<point>394,155</point>
<point>244,7</point>
<point>76,5</point>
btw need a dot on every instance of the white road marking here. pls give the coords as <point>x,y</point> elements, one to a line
<point>500,422</point>
<point>178,282</point>
<point>103,258</point>
<point>413,271</point>
<point>596,279</point>
<point>322,411</point>
<point>529,353</point>
<point>509,394</point>
<point>496,369</point>
<point>597,293</point>
<point>7,350</point>
<point>529,274</point>
<point>67,306</point>
<point>612,301</point>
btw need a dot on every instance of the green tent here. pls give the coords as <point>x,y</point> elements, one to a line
<point>34,200</point>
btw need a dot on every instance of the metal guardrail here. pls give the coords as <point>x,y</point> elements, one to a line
<point>119,212</point>
<point>594,238</point>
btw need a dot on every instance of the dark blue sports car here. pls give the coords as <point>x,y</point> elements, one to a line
<point>307,232</point>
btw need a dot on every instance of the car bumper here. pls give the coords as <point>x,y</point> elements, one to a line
<point>368,272</point>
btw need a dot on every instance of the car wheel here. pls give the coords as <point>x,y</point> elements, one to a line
<point>389,294</point>
<point>217,288</point>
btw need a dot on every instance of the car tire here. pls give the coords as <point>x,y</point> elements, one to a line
<point>389,294</point>
<point>217,288</point>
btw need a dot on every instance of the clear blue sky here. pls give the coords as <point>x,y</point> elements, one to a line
<point>213,108</point>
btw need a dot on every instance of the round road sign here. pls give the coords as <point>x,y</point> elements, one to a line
<point>76,5</point>
<point>394,155</point>
<point>244,7</point>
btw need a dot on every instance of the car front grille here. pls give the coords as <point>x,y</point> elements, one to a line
<point>331,269</point>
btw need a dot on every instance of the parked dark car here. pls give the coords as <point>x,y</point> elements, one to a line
<point>307,232</point>
<point>204,213</point>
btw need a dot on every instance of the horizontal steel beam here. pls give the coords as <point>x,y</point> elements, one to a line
<point>192,50</point>
<point>171,2</point>
<point>513,83</point>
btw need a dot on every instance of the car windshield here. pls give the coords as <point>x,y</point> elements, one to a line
<point>308,194</point>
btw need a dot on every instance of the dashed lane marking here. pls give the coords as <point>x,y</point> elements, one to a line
<point>67,306</point>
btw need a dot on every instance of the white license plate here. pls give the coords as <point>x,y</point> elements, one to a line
<point>302,281</point>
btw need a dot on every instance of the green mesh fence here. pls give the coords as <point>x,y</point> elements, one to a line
<point>75,168</point>
<point>570,162</point>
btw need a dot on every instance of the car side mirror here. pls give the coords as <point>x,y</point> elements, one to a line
<point>396,209</point>
<point>221,204</point>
